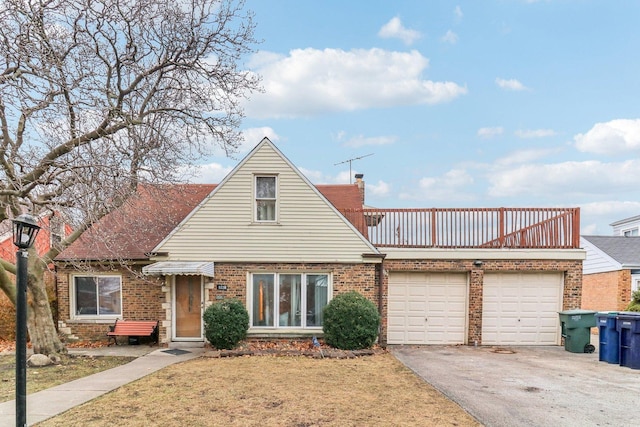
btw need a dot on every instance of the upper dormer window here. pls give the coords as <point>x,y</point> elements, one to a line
<point>266,198</point>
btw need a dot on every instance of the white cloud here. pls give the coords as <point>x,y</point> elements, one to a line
<point>525,156</point>
<point>264,58</point>
<point>318,177</point>
<point>596,216</point>
<point>490,132</point>
<point>311,81</point>
<point>457,12</point>
<point>511,84</point>
<point>450,186</point>
<point>380,189</point>
<point>395,29</point>
<point>613,209</point>
<point>211,173</point>
<point>565,180</point>
<point>588,229</point>
<point>613,137</point>
<point>315,177</point>
<point>253,136</point>
<point>534,133</point>
<point>450,37</point>
<point>361,141</point>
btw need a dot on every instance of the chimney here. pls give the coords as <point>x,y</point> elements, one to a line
<point>360,184</point>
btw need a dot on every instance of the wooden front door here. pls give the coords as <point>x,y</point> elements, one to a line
<point>188,307</point>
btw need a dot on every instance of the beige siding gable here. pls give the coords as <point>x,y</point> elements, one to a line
<point>308,228</point>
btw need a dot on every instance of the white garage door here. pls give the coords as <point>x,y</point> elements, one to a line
<point>521,309</point>
<point>427,308</point>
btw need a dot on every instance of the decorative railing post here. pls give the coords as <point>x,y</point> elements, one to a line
<point>434,229</point>
<point>501,227</point>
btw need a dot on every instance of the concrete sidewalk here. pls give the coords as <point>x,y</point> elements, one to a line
<point>53,401</point>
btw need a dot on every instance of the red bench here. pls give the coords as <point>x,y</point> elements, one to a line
<point>134,328</point>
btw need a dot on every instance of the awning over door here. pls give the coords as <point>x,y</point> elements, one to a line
<point>173,268</point>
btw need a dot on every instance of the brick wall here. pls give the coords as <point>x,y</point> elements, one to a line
<point>149,299</point>
<point>572,282</point>
<point>610,291</point>
<point>145,299</point>
<point>346,277</point>
<point>142,299</point>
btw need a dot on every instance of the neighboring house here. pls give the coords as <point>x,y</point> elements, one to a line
<point>611,271</point>
<point>627,227</point>
<point>52,231</point>
<point>284,247</point>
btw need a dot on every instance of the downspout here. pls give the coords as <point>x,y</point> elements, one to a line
<point>380,278</point>
<point>380,294</point>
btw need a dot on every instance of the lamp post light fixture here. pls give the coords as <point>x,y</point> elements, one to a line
<point>25,230</point>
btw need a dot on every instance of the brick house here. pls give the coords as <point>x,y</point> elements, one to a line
<point>53,230</point>
<point>285,247</point>
<point>611,271</point>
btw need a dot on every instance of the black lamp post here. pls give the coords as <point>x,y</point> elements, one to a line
<point>25,230</point>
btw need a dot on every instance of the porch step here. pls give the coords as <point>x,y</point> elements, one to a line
<point>186,344</point>
<point>63,329</point>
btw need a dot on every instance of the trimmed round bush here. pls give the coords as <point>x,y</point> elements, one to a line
<point>635,301</point>
<point>226,323</point>
<point>350,322</point>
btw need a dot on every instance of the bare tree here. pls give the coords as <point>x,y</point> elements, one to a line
<point>99,95</point>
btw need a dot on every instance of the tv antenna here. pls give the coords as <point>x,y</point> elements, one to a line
<point>350,161</point>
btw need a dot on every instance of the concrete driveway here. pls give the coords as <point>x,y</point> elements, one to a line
<point>528,386</point>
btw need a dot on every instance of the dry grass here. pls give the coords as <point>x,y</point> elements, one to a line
<point>273,391</point>
<point>38,379</point>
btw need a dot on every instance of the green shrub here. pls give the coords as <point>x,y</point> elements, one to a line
<point>635,301</point>
<point>350,322</point>
<point>226,323</point>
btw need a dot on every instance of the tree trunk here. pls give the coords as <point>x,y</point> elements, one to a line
<point>42,330</point>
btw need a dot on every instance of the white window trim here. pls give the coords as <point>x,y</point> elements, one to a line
<point>635,282</point>
<point>627,230</point>
<point>276,275</point>
<point>72,298</point>
<point>255,200</point>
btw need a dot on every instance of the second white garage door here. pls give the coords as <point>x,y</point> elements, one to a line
<point>427,308</point>
<point>521,309</point>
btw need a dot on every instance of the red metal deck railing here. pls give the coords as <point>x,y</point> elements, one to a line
<point>535,228</point>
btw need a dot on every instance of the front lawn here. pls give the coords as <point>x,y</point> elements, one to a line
<point>273,391</point>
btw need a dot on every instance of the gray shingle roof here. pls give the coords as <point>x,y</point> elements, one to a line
<point>623,249</point>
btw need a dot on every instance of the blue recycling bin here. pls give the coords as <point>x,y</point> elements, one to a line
<point>609,337</point>
<point>628,325</point>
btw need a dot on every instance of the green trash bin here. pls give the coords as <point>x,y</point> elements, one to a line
<point>576,330</point>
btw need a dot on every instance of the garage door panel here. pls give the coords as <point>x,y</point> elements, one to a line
<point>397,293</point>
<point>528,307</point>
<point>521,308</point>
<point>415,321</point>
<point>434,308</point>
<point>416,291</point>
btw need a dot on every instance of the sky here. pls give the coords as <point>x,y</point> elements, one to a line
<point>481,104</point>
